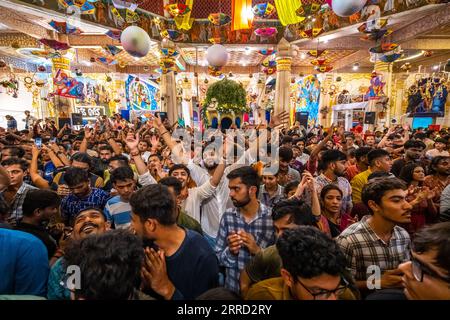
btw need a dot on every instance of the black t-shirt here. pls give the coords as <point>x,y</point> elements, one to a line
<point>193,269</point>
<point>40,233</point>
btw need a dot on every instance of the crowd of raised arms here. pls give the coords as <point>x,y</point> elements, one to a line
<point>124,210</point>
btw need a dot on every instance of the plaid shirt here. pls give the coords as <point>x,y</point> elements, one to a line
<point>261,227</point>
<point>71,205</point>
<point>363,248</point>
<point>344,185</point>
<point>16,205</point>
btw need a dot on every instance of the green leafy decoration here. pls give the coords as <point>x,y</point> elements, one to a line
<point>229,95</point>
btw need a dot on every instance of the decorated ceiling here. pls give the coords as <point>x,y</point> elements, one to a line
<point>249,29</point>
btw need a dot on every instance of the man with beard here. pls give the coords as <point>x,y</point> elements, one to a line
<point>88,221</point>
<point>118,209</point>
<point>333,164</point>
<point>211,209</point>
<point>413,152</point>
<point>82,194</point>
<point>377,242</point>
<point>179,263</point>
<point>245,229</point>
<point>193,199</point>
<point>39,207</point>
<point>286,174</point>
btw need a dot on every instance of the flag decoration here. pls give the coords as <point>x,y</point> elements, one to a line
<point>263,10</point>
<point>219,19</point>
<point>64,27</point>
<point>114,34</point>
<point>112,50</point>
<point>55,45</point>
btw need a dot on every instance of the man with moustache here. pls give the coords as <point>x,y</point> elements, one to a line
<point>377,242</point>
<point>88,221</point>
<point>245,229</point>
<point>413,152</point>
<point>333,164</point>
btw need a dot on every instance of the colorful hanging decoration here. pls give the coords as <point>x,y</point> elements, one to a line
<point>324,69</point>
<point>215,40</point>
<point>168,52</point>
<point>263,10</point>
<point>320,62</point>
<point>112,50</point>
<point>114,34</point>
<point>266,32</point>
<point>215,71</point>
<point>317,53</point>
<point>219,19</point>
<point>87,8</point>
<point>131,16</point>
<point>167,63</point>
<point>287,11</point>
<point>177,9</point>
<point>376,34</point>
<point>267,52</point>
<point>55,45</point>
<point>390,57</point>
<point>122,4</point>
<point>64,27</point>
<point>270,70</point>
<point>374,24</point>
<point>308,9</point>
<point>241,14</point>
<point>311,33</point>
<point>171,34</point>
<point>384,47</point>
<point>184,21</point>
<point>107,61</point>
<point>45,54</point>
<point>268,62</point>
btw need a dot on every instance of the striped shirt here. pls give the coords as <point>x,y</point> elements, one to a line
<point>17,203</point>
<point>261,228</point>
<point>72,205</point>
<point>363,249</point>
<point>118,213</point>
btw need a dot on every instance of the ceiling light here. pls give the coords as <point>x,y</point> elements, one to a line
<point>436,67</point>
<point>303,55</point>
<point>325,41</point>
<point>355,66</point>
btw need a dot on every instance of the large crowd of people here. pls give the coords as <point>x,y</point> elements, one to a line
<point>132,210</point>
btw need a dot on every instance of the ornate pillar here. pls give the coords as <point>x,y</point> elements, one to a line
<point>399,91</point>
<point>284,62</point>
<point>168,89</point>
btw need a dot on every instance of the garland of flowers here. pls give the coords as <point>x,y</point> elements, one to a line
<point>228,95</point>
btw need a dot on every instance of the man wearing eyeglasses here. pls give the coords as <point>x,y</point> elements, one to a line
<point>427,275</point>
<point>313,269</point>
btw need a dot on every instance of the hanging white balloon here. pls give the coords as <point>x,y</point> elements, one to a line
<point>217,55</point>
<point>135,41</point>
<point>346,8</point>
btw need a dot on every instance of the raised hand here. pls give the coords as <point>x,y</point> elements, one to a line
<point>279,119</point>
<point>87,133</point>
<point>132,141</point>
